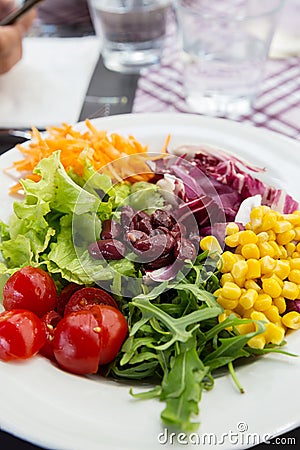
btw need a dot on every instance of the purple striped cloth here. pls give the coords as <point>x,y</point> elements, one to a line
<point>277,107</point>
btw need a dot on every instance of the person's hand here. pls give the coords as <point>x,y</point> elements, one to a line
<point>11,37</point>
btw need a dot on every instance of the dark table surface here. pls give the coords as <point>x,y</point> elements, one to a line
<point>111,93</point>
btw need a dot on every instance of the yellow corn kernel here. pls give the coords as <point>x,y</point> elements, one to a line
<point>232,240</point>
<point>240,310</point>
<point>292,320</point>
<point>290,290</point>
<point>248,298</point>
<point>227,261</point>
<point>298,247</point>
<point>282,269</point>
<point>263,236</point>
<point>231,291</point>
<point>211,244</point>
<point>265,249</point>
<point>285,237</point>
<point>226,277</point>
<point>297,233</point>
<point>269,221</point>
<point>271,235</point>
<point>254,270</point>
<point>256,216</point>
<point>251,284</point>
<point>276,249</point>
<point>283,252</point>
<point>290,248</point>
<point>263,302</point>
<point>267,264</point>
<point>267,209</point>
<point>232,228</point>
<point>274,277</point>
<point>294,276</point>
<point>296,255</point>
<point>239,271</point>
<point>274,333</point>
<point>238,249</point>
<point>245,328</point>
<point>257,315</point>
<point>226,313</point>
<point>222,317</point>
<point>295,263</point>
<point>227,303</point>
<point>247,237</point>
<point>250,251</point>
<point>280,303</point>
<point>294,219</point>
<point>271,287</point>
<point>272,314</point>
<point>282,226</point>
<point>218,292</point>
<point>258,341</point>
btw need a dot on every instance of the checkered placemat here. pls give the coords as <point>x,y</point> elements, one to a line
<point>277,106</point>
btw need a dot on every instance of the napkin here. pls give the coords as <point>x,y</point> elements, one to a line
<point>48,86</point>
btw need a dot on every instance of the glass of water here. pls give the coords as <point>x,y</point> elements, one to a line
<point>225,45</point>
<point>132,32</point>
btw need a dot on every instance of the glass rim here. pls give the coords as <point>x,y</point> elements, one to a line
<point>238,18</point>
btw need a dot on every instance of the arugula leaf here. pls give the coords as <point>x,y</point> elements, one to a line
<point>182,388</point>
<point>177,327</point>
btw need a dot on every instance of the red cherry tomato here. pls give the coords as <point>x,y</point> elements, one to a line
<point>22,334</point>
<point>30,288</point>
<point>65,296</point>
<point>86,298</point>
<point>76,343</point>
<point>50,321</point>
<point>114,330</point>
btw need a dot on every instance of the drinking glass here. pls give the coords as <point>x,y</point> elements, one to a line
<point>132,32</point>
<point>225,45</point>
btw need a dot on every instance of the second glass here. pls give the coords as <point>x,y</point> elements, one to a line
<point>225,46</point>
<point>132,32</point>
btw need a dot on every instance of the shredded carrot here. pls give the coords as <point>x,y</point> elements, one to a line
<point>75,146</point>
<point>166,144</point>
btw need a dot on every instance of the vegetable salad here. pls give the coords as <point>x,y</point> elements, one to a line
<point>145,269</point>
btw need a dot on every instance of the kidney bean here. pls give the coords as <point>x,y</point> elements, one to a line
<point>160,244</point>
<point>136,235</point>
<point>108,249</point>
<point>127,215</point>
<point>142,245</point>
<point>145,225</point>
<point>162,261</point>
<point>185,249</point>
<point>163,230</point>
<point>161,218</point>
<point>142,215</point>
<point>178,231</point>
<point>157,231</point>
<point>111,229</point>
<point>165,241</point>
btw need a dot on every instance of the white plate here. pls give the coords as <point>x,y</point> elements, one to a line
<point>57,410</point>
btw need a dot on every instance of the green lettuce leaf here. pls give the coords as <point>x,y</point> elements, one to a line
<point>145,196</point>
<point>55,222</point>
